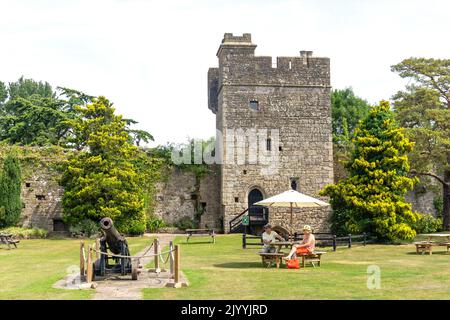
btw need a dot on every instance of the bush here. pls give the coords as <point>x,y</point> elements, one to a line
<point>84,228</point>
<point>186,223</point>
<point>135,227</point>
<point>428,224</point>
<point>26,233</point>
<point>155,223</point>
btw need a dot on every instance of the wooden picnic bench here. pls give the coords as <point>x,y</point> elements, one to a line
<point>269,258</point>
<point>8,240</point>
<point>427,246</point>
<point>201,232</point>
<point>311,258</point>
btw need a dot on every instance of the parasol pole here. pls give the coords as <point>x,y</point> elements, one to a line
<point>291,217</point>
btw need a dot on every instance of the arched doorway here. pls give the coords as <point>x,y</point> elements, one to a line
<point>258,215</point>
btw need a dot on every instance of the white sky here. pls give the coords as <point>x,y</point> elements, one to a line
<point>151,57</point>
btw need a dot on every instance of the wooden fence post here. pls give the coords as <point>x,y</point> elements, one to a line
<point>90,271</point>
<point>349,240</point>
<point>82,260</point>
<point>171,253</point>
<point>177,283</point>
<point>244,241</point>
<point>97,248</point>
<point>156,252</point>
<point>334,243</point>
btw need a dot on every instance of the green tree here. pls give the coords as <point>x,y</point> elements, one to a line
<point>33,114</point>
<point>102,179</point>
<point>346,110</point>
<point>10,187</point>
<point>424,109</point>
<point>372,198</point>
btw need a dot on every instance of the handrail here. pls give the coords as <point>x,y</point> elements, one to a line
<point>236,218</point>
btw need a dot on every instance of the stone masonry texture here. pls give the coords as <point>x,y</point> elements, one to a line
<point>294,98</point>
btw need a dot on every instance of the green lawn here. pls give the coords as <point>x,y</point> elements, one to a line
<point>30,271</point>
<point>225,271</point>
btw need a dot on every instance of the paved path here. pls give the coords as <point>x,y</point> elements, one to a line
<point>125,289</point>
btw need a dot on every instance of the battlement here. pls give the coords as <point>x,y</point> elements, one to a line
<point>238,65</point>
<point>229,38</point>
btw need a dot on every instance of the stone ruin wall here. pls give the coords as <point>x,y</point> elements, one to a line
<point>183,194</point>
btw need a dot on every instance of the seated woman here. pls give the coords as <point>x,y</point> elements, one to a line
<point>269,236</point>
<point>306,246</point>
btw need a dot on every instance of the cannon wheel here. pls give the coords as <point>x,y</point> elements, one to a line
<point>134,271</point>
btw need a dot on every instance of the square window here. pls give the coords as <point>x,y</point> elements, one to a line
<point>27,184</point>
<point>236,199</point>
<point>254,105</point>
<point>280,148</point>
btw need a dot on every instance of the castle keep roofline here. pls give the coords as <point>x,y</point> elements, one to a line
<point>238,66</point>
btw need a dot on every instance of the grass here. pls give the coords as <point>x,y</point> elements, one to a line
<point>30,271</point>
<point>226,271</point>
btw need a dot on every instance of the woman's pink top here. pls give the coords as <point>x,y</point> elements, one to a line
<point>312,242</point>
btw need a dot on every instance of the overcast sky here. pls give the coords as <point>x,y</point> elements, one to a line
<point>151,57</point>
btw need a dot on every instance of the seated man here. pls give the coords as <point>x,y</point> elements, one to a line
<point>306,246</point>
<point>269,236</point>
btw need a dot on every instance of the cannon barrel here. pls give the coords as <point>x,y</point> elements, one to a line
<point>111,235</point>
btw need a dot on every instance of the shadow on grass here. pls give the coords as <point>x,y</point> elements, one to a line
<point>240,265</point>
<point>197,242</point>
<point>443,253</point>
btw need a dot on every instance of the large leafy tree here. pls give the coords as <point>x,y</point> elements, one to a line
<point>10,187</point>
<point>347,110</point>
<point>424,109</point>
<point>102,179</point>
<point>372,197</point>
<point>31,113</point>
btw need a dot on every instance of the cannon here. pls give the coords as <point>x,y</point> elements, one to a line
<point>113,241</point>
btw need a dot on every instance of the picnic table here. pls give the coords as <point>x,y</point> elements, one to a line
<point>276,257</point>
<point>201,232</point>
<point>427,245</point>
<point>8,240</point>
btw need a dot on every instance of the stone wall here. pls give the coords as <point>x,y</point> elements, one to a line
<point>184,195</point>
<point>41,195</point>
<point>293,98</point>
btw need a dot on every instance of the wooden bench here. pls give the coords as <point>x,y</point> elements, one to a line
<point>311,258</point>
<point>200,232</point>
<point>427,246</point>
<point>8,240</point>
<point>269,258</point>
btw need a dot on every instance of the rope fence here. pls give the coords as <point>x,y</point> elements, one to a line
<point>172,256</point>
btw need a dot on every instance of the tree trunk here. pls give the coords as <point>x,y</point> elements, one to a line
<point>446,187</point>
<point>446,198</point>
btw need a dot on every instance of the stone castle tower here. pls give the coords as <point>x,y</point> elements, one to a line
<point>278,113</point>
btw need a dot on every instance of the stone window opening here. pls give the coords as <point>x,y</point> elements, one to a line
<point>236,199</point>
<point>269,144</point>
<point>280,148</point>
<point>254,105</point>
<point>294,183</point>
<point>290,65</point>
<point>27,184</point>
<point>40,197</point>
<point>193,196</point>
<point>245,171</point>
